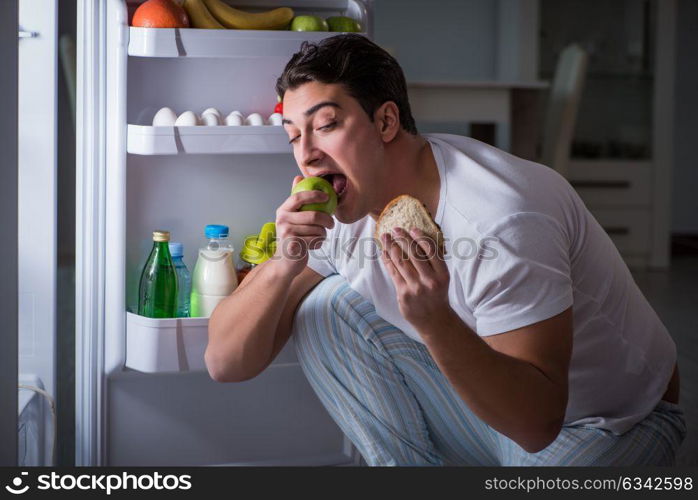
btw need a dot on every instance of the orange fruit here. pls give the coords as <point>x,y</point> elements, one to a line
<point>160,14</point>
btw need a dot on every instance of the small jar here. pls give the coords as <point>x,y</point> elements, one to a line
<point>243,270</point>
<point>256,249</point>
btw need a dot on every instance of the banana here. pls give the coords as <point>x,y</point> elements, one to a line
<point>233,18</point>
<point>199,15</point>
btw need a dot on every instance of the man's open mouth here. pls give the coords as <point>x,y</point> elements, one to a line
<point>338,181</point>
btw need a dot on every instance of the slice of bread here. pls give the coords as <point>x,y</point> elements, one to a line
<point>408,212</point>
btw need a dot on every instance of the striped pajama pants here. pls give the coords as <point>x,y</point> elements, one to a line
<point>389,397</point>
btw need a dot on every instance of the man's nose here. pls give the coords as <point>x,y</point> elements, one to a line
<point>310,154</point>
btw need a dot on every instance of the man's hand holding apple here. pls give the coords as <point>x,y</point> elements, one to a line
<point>299,230</point>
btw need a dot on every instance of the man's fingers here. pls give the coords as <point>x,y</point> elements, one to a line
<point>434,253</point>
<point>416,254</point>
<point>392,270</point>
<point>308,218</point>
<point>397,236</point>
<point>307,230</point>
<point>297,200</point>
<point>424,242</point>
<point>401,260</point>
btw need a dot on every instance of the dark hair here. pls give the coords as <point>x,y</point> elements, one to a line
<point>368,72</point>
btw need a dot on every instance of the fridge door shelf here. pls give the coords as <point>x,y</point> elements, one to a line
<point>189,42</point>
<point>246,139</point>
<point>165,345</point>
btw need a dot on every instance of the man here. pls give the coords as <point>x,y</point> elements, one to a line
<point>535,349</point>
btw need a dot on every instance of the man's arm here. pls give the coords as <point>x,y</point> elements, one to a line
<point>515,381</point>
<point>251,326</point>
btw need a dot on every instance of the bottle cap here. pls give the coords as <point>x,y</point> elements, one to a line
<point>176,249</point>
<point>160,235</point>
<point>216,231</point>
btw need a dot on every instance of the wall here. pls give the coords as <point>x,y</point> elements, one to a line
<point>446,40</point>
<point>685,176</point>
<point>457,40</point>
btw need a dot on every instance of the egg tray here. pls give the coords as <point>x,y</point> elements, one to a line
<point>222,139</point>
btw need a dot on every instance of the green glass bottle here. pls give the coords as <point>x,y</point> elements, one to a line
<point>157,297</point>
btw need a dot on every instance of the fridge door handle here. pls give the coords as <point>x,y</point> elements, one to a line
<point>27,34</point>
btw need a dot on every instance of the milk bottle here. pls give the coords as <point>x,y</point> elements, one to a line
<point>214,276</point>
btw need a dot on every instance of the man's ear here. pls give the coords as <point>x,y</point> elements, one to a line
<point>387,120</point>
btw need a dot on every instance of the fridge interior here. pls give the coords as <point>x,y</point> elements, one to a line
<point>161,406</point>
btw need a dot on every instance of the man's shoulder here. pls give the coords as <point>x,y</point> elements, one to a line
<point>457,141</point>
<point>487,185</point>
<point>459,149</point>
<point>466,145</point>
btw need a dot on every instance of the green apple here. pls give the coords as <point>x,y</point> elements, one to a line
<point>317,184</point>
<point>344,24</point>
<point>309,23</point>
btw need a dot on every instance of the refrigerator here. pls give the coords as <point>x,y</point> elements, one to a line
<point>143,395</point>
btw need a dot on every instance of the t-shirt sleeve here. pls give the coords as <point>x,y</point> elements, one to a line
<point>524,275</point>
<point>320,259</point>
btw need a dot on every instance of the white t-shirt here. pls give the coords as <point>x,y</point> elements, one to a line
<point>522,247</point>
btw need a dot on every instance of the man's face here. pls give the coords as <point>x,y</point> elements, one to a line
<point>333,137</point>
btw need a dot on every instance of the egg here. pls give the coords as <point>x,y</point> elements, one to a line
<point>255,119</point>
<point>210,119</point>
<point>165,117</point>
<point>275,119</point>
<point>187,119</point>
<point>233,119</point>
<point>211,110</point>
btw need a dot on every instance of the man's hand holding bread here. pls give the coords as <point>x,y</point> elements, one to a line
<point>413,253</point>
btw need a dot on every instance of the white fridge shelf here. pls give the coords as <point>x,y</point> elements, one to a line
<point>246,139</point>
<point>190,42</point>
<point>165,345</point>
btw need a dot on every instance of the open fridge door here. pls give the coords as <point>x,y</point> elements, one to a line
<point>144,396</point>
<point>37,220</point>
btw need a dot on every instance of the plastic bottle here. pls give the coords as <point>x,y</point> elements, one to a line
<point>157,291</point>
<point>214,276</point>
<point>183,280</point>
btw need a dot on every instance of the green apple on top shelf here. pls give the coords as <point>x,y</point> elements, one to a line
<point>309,23</point>
<point>317,184</point>
<point>343,24</point>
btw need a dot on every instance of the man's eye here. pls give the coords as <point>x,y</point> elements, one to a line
<point>329,126</point>
<point>324,128</point>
